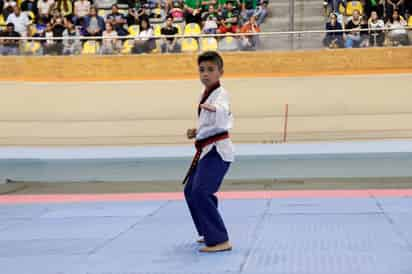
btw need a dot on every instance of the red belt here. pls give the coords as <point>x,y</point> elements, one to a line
<point>199,145</point>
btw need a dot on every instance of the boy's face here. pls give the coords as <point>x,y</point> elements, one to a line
<point>209,73</point>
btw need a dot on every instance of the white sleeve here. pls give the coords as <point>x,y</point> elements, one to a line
<point>222,110</point>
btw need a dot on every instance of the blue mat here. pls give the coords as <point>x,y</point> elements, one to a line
<point>325,235</point>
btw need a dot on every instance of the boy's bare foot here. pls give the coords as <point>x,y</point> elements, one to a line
<point>225,246</point>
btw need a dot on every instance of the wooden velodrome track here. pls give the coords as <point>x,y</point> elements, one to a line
<point>86,100</point>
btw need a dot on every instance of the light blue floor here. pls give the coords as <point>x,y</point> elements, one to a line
<point>319,235</point>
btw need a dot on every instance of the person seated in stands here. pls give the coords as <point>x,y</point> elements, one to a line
<point>118,20</point>
<point>137,11</point>
<point>397,29</point>
<point>364,33</point>
<point>229,20</point>
<point>9,47</point>
<point>81,9</point>
<point>210,21</point>
<point>57,28</point>
<point>205,4</point>
<point>20,21</point>
<point>374,5</point>
<point>73,45</point>
<point>144,41</point>
<point>376,26</point>
<point>192,11</point>
<point>158,11</point>
<point>176,11</point>
<point>8,7</point>
<point>352,36</point>
<point>250,42</point>
<point>392,5</point>
<point>248,8</point>
<point>94,24</point>
<point>110,43</point>
<point>29,6</point>
<point>333,39</point>
<point>261,12</point>
<point>66,8</point>
<point>169,44</point>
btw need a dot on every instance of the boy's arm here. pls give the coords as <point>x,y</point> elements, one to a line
<point>220,107</point>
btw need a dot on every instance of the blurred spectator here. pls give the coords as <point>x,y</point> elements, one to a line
<point>158,11</point>
<point>333,39</point>
<point>73,45</point>
<point>48,44</point>
<point>408,7</point>
<point>176,11</point>
<point>169,44</point>
<point>41,25</point>
<point>229,20</point>
<point>8,7</point>
<point>117,20</point>
<point>9,47</point>
<point>250,42</point>
<point>364,33</point>
<point>110,43</point>
<point>352,37</point>
<point>334,5</point>
<point>205,4</point>
<point>44,7</point>
<point>210,21</point>
<point>376,25</point>
<point>248,9</point>
<point>20,21</point>
<point>261,12</point>
<point>93,24</point>
<point>136,12</point>
<point>81,10</point>
<point>57,28</point>
<point>192,11</point>
<point>392,5</point>
<point>29,6</point>
<point>144,41</point>
<point>65,7</point>
<point>374,5</point>
<point>397,30</point>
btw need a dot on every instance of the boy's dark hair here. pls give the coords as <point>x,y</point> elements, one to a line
<point>211,56</point>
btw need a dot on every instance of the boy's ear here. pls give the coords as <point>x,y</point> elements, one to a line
<point>222,72</point>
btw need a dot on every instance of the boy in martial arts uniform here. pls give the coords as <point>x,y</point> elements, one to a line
<point>214,154</point>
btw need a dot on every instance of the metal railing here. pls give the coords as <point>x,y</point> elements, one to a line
<point>274,40</point>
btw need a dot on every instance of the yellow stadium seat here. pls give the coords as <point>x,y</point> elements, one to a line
<point>32,16</point>
<point>2,21</point>
<point>31,47</point>
<point>90,47</point>
<point>127,47</point>
<point>157,30</point>
<point>228,44</point>
<point>103,13</point>
<point>134,30</point>
<point>192,29</point>
<point>353,5</point>
<point>189,45</point>
<point>209,43</point>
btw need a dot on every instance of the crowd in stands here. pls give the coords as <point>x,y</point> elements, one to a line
<point>129,26</point>
<point>369,23</point>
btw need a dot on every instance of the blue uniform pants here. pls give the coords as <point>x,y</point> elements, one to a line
<point>200,196</point>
